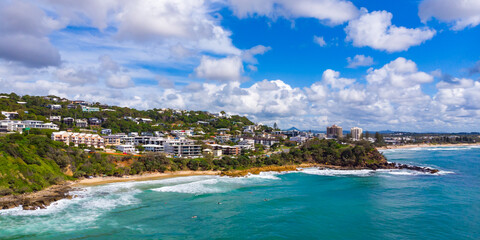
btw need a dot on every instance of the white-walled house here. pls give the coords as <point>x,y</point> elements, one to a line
<point>10,115</point>
<point>126,148</point>
<point>55,118</point>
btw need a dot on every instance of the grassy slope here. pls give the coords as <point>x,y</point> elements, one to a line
<point>22,169</point>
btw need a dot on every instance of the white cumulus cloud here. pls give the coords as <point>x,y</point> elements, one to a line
<point>459,13</point>
<point>222,70</point>
<point>119,81</point>
<point>375,30</point>
<point>319,40</point>
<point>331,12</point>
<point>359,61</point>
<point>24,34</point>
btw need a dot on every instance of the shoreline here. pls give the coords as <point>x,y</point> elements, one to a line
<point>43,198</point>
<point>85,182</point>
<point>424,145</point>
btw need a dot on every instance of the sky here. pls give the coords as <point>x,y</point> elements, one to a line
<point>410,65</point>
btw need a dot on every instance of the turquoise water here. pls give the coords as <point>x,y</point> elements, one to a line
<point>313,204</point>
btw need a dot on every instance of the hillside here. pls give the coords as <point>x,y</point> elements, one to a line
<point>31,161</point>
<point>118,119</point>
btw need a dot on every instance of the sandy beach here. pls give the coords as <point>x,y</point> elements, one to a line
<point>427,145</point>
<point>143,177</point>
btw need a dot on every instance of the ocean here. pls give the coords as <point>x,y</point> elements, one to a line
<point>311,204</point>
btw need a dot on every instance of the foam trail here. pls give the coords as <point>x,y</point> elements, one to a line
<point>198,187</point>
<point>406,172</point>
<point>334,172</point>
<point>443,148</point>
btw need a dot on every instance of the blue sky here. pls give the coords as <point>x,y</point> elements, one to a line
<point>380,64</point>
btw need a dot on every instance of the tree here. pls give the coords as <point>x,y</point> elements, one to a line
<point>367,135</point>
<point>275,126</point>
<point>379,139</point>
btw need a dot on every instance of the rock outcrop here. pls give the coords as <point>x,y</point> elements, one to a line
<point>37,200</point>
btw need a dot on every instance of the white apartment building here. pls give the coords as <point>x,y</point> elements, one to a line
<point>153,148</point>
<point>182,148</point>
<point>356,133</point>
<point>17,125</point>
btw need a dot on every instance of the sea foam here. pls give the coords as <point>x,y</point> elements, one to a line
<point>443,148</point>
<point>218,184</point>
<point>334,172</point>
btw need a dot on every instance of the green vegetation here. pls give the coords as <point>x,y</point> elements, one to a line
<point>33,162</point>
<point>328,152</point>
<point>26,163</point>
<point>119,119</point>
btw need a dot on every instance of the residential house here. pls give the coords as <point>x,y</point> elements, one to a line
<point>126,148</point>
<point>267,142</point>
<point>68,121</point>
<point>11,125</point>
<point>182,133</point>
<point>81,123</point>
<point>223,131</point>
<point>81,102</point>
<point>54,106</point>
<point>94,121</point>
<point>106,131</point>
<point>144,120</point>
<point>90,109</point>
<point>299,139</point>
<point>40,125</point>
<point>55,118</point>
<point>10,115</point>
<point>249,129</point>
<point>223,138</point>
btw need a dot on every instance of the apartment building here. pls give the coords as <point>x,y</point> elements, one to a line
<point>334,131</point>
<point>90,140</point>
<point>356,133</point>
<point>182,148</point>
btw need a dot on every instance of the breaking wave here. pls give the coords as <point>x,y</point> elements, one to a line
<point>334,172</point>
<point>445,148</point>
<point>217,184</point>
